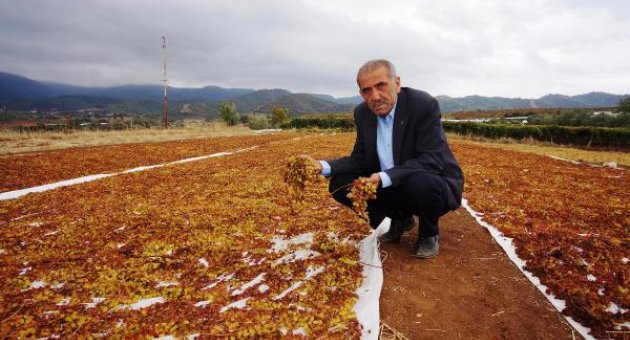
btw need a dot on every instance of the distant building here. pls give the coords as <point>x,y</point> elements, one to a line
<point>186,109</point>
<point>516,118</point>
<point>605,113</point>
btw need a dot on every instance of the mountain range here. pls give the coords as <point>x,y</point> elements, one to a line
<point>20,93</point>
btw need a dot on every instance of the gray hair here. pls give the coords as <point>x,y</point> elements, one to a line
<point>374,64</point>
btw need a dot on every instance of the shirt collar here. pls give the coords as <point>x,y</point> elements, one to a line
<point>390,115</point>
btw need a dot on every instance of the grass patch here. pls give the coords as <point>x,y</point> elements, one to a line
<point>596,156</point>
<point>12,142</point>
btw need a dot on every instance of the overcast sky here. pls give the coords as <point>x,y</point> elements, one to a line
<point>524,48</point>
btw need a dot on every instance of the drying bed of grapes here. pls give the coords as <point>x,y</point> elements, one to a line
<point>32,169</point>
<point>209,248</point>
<point>570,223</point>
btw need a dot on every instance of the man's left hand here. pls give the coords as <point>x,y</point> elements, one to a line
<point>374,178</point>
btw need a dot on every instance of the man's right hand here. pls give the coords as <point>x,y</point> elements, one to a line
<point>315,163</point>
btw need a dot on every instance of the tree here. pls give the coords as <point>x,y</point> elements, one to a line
<point>258,122</point>
<point>624,105</point>
<point>279,116</point>
<point>244,119</point>
<point>229,113</point>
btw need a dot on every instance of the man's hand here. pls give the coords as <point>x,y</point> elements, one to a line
<point>315,163</point>
<point>374,178</point>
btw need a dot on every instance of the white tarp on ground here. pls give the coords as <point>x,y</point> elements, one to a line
<point>368,308</point>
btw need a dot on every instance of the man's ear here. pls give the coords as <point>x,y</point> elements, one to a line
<point>397,82</point>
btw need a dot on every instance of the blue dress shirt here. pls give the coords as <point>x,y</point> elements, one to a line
<point>384,148</point>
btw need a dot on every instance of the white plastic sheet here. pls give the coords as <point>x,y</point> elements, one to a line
<point>367,308</point>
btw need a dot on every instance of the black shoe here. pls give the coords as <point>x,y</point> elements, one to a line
<point>427,247</point>
<point>392,236</point>
<point>397,229</point>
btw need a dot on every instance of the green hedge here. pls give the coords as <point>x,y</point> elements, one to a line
<point>586,136</point>
<point>340,123</point>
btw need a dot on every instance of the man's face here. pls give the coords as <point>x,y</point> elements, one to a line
<point>379,91</point>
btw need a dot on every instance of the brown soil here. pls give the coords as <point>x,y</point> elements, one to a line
<point>471,290</point>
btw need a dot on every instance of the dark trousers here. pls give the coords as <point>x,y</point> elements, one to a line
<point>423,194</point>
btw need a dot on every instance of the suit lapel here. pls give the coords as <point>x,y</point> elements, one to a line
<point>370,135</point>
<point>400,124</point>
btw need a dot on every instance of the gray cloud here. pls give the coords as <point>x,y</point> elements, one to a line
<point>487,47</point>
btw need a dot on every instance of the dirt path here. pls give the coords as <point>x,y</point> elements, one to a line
<point>471,290</point>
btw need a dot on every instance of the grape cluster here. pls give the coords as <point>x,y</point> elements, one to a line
<point>300,173</point>
<point>360,193</point>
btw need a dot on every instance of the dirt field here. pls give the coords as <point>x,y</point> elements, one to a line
<point>470,291</point>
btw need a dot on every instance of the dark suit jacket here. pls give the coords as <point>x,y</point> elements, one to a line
<point>419,144</point>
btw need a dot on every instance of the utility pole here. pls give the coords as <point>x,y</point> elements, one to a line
<point>165,113</point>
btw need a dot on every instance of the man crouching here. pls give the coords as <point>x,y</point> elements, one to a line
<point>401,148</point>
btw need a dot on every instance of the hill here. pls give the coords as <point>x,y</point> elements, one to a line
<point>297,103</point>
<point>23,94</point>
<point>301,103</point>
<point>14,87</point>
<point>148,92</point>
<point>256,101</point>
<point>450,104</point>
<point>20,93</point>
<point>355,100</point>
<point>588,100</point>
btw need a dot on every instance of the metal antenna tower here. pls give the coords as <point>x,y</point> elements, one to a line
<point>165,113</point>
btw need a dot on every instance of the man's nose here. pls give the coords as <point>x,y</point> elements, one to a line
<point>376,95</point>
